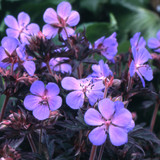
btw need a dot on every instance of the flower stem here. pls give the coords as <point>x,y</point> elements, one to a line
<point>101,152</point>
<point>93,152</point>
<point>106,89</point>
<point>154,114</point>
<point>49,68</point>
<point>4,107</point>
<point>33,147</point>
<point>40,139</point>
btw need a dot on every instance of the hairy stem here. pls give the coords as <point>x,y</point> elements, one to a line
<point>101,152</point>
<point>93,152</point>
<point>4,107</point>
<point>33,147</point>
<point>154,114</point>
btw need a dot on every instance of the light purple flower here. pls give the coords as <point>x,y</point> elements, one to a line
<point>101,71</point>
<point>154,43</point>
<point>60,21</point>
<point>8,51</point>
<point>58,65</point>
<point>28,64</point>
<point>82,87</point>
<point>108,46</point>
<point>20,28</point>
<point>43,99</point>
<point>113,119</point>
<point>137,65</point>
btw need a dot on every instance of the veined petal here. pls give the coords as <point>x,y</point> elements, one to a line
<point>132,69</point>
<point>107,108</point>
<point>146,72</point>
<point>52,89</point>
<point>93,117</point>
<point>98,136</point>
<point>118,136</point>
<point>70,83</point>
<point>64,9</point>
<point>50,16</point>
<point>94,96</point>
<point>9,44</point>
<point>98,86</point>
<point>33,28</point>
<point>140,76</point>
<point>55,102</point>
<point>49,31</point>
<point>153,43</point>
<point>2,54</point>
<point>37,88</point>
<point>73,18</point>
<point>41,112</point>
<point>122,117</point>
<point>11,22</point>
<point>30,67</point>
<point>12,33</point>
<point>75,99</point>
<point>31,102</point>
<point>24,38</point>
<point>134,39</point>
<point>23,19</point>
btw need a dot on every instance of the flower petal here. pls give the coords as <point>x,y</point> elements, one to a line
<point>153,43</point>
<point>98,136</point>
<point>98,42</point>
<point>158,34</point>
<point>41,112</point>
<point>70,83</point>
<point>130,126</point>
<point>69,31</point>
<point>64,9</point>
<point>93,117</point>
<point>24,38</point>
<point>31,102</point>
<point>134,39</point>
<point>12,32</point>
<point>49,31</point>
<point>52,89</point>
<point>37,88</point>
<point>73,18</point>
<point>98,85</point>
<point>55,102</point>
<point>23,19</point>
<point>33,28</point>
<point>106,107</point>
<point>132,69</point>
<point>11,22</point>
<point>2,54</point>
<point>75,99</point>
<point>30,67</point>
<point>50,16</point>
<point>118,136</point>
<point>9,44</point>
<point>94,96</point>
<point>140,76</point>
<point>122,117</point>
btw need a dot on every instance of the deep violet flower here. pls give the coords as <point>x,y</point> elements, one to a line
<point>27,63</point>
<point>7,51</point>
<point>154,43</point>
<point>43,99</point>
<point>101,71</point>
<point>58,65</point>
<point>60,21</point>
<point>137,41</point>
<point>82,87</point>
<point>108,46</point>
<point>113,119</point>
<point>137,65</point>
<point>20,28</point>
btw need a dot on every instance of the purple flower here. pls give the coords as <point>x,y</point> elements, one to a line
<point>137,41</point>
<point>60,22</point>
<point>154,43</point>
<point>137,65</point>
<point>43,99</point>
<point>113,119</point>
<point>20,28</point>
<point>82,88</point>
<point>101,71</point>
<point>7,51</point>
<point>58,65</point>
<point>108,46</point>
<point>25,61</point>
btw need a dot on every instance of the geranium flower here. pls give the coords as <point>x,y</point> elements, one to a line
<point>137,65</point>
<point>43,99</point>
<point>113,119</point>
<point>60,22</point>
<point>154,43</point>
<point>82,87</point>
<point>108,46</point>
<point>20,28</point>
<point>137,41</point>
